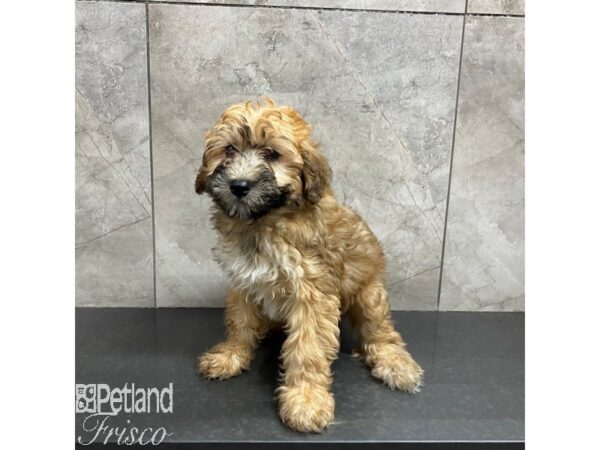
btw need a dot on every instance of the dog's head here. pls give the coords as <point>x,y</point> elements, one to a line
<point>258,158</point>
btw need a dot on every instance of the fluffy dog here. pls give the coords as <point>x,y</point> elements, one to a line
<point>296,259</point>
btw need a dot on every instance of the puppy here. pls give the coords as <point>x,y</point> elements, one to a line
<point>296,259</point>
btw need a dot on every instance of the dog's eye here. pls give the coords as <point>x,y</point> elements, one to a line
<point>271,154</point>
<point>230,150</point>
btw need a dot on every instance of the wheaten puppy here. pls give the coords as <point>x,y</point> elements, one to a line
<point>297,259</point>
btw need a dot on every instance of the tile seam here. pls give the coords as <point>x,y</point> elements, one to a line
<point>460,60</point>
<point>312,8</point>
<point>151,148</point>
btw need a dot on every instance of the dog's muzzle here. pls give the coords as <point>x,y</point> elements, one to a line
<point>245,198</point>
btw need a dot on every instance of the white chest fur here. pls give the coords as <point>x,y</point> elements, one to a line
<point>263,270</point>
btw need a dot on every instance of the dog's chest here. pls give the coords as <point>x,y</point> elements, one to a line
<point>265,269</point>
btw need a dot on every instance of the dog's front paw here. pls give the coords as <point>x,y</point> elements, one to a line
<point>307,408</point>
<point>397,369</point>
<point>221,363</point>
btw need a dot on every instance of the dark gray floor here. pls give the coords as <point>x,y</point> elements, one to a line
<point>473,392</point>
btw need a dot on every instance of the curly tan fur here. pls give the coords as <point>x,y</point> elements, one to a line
<point>297,259</point>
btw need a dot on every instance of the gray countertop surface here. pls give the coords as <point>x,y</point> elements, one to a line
<point>473,391</point>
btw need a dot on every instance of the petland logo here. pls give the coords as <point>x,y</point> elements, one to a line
<point>102,403</point>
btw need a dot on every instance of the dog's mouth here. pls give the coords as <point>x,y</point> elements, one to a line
<point>262,195</point>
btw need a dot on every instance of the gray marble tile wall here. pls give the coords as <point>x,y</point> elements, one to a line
<point>377,79</point>
<point>512,7</point>
<point>441,6</point>
<point>114,263</point>
<point>484,255</point>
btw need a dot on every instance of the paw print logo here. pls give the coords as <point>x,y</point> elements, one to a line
<point>85,398</point>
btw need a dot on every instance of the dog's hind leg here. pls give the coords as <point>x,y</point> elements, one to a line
<point>382,346</point>
<point>246,326</point>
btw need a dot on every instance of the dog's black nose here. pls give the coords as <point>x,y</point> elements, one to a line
<point>240,187</point>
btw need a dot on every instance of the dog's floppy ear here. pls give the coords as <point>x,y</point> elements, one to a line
<point>201,180</point>
<point>202,175</point>
<point>316,174</point>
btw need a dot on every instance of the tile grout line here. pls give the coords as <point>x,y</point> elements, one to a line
<point>151,153</point>
<point>475,14</point>
<point>312,8</point>
<point>460,60</point>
